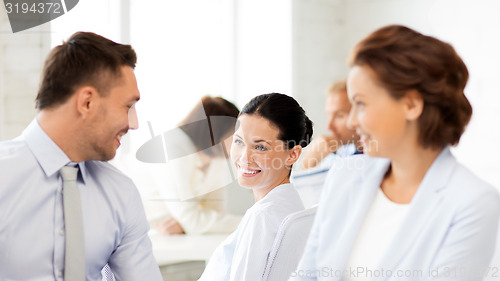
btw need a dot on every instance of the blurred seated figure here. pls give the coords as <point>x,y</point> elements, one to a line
<point>321,155</point>
<point>193,185</point>
<point>342,141</point>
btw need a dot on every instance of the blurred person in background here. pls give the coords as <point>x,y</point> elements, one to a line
<point>343,140</point>
<point>324,150</point>
<point>193,189</point>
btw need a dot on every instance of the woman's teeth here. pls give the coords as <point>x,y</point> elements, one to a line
<point>248,171</point>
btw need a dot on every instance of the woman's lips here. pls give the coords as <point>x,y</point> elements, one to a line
<point>248,172</point>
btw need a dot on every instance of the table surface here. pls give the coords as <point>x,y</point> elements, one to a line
<point>170,249</point>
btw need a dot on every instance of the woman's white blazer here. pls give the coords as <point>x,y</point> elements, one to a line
<point>448,233</point>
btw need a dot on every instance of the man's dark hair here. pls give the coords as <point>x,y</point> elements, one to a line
<point>84,59</point>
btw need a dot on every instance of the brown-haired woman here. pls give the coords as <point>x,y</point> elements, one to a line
<point>198,169</point>
<point>408,210</point>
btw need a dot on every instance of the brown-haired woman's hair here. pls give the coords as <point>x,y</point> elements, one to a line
<point>85,59</point>
<point>209,122</point>
<point>404,60</point>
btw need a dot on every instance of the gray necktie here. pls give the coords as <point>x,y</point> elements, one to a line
<point>108,274</point>
<point>74,261</point>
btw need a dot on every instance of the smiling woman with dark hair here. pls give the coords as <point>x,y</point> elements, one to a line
<point>272,129</point>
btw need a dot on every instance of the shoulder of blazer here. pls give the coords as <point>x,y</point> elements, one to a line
<point>348,174</point>
<point>465,186</point>
<point>358,165</point>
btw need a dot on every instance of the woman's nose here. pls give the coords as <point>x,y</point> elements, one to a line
<point>246,155</point>
<point>352,120</point>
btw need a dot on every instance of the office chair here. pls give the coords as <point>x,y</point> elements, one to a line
<point>289,245</point>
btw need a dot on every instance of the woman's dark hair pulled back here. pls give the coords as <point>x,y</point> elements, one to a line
<point>284,112</point>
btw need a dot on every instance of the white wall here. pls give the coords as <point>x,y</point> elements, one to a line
<point>263,45</point>
<point>21,58</point>
<point>3,26</point>
<point>319,48</point>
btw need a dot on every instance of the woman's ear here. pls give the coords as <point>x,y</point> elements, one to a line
<point>414,105</point>
<point>294,154</point>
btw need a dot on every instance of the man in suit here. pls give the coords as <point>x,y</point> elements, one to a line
<point>325,149</point>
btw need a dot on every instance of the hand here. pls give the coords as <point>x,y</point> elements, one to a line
<point>319,149</point>
<point>170,226</point>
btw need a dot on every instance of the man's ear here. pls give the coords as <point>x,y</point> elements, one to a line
<point>414,105</point>
<point>86,100</point>
<point>294,154</point>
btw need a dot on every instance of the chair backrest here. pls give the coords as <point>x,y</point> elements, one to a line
<point>309,184</point>
<point>289,245</point>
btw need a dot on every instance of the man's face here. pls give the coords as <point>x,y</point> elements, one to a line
<point>116,115</point>
<point>337,108</point>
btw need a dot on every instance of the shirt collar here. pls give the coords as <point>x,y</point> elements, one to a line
<point>347,150</point>
<point>50,157</point>
<point>276,192</point>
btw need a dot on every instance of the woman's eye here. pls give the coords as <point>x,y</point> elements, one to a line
<point>359,104</point>
<point>238,142</point>
<point>260,147</point>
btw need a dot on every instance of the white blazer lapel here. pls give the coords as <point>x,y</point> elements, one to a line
<point>422,207</point>
<point>360,200</point>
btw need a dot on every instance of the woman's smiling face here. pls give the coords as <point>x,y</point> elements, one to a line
<point>261,159</point>
<point>382,122</point>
